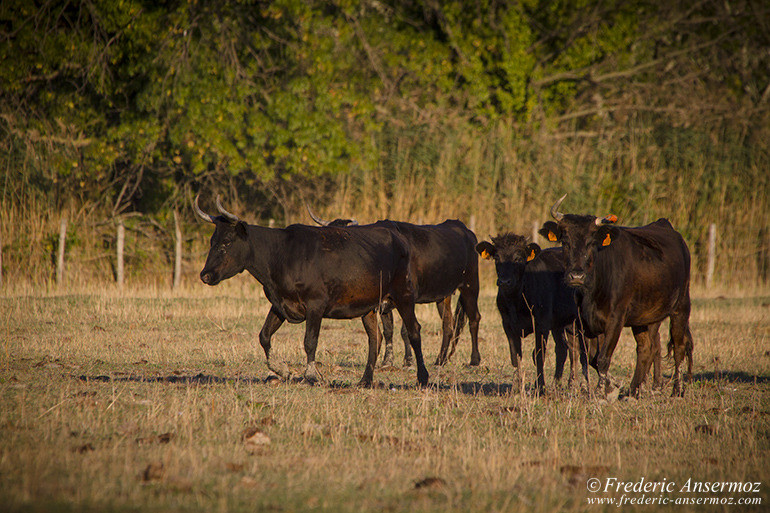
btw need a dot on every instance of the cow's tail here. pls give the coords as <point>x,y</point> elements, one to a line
<point>688,350</point>
<point>458,324</point>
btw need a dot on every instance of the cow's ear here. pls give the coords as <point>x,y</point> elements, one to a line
<point>486,250</point>
<point>606,234</point>
<point>240,230</point>
<point>532,251</point>
<point>550,231</point>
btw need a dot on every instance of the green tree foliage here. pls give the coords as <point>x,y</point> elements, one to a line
<point>125,105</point>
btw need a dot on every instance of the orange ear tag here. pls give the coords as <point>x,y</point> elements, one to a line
<point>531,256</point>
<point>485,255</point>
<point>612,218</point>
<point>607,240</point>
<point>551,236</point>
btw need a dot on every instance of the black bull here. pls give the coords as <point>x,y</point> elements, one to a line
<point>445,260</point>
<point>311,273</point>
<point>633,277</point>
<point>533,297</point>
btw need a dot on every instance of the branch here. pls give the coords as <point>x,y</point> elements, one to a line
<point>587,72</point>
<point>373,60</point>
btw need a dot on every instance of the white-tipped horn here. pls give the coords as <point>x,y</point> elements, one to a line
<point>610,219</point>
<point>200,213</point>
<point>314,217</point>
<point>230,217</point>
<point>555,209</point>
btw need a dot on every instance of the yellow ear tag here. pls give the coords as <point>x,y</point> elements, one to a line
<point>551,236</point>
<point>531,256</point>
<point>485,255</point>
<point>607,240</point>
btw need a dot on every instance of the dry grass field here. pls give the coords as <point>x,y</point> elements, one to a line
<point>151,401</point>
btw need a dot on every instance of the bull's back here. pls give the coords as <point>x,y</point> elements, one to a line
<point>350,269</point>
<point>443,256</point>
<point>658,272</point>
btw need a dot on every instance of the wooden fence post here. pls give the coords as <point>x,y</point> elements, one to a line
<point>121,241</point>
<point>177,252</point>
<point>60,256</point>
<point>712,254</point>
<point>535,228</point>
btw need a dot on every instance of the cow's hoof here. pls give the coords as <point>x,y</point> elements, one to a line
<point>281,369</point>
<point>312,375</point>
<point>387,359</point>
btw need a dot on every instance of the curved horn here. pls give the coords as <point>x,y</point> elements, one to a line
<point>230,217</point>
<point>610,219</point>
<point>554,209</point>
<point>200,213</point>
<point>315,218</point>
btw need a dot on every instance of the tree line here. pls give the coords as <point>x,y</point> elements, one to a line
<point>133,106</point>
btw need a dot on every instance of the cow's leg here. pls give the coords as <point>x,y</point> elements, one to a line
<point>682,345</point>
<point>604,354</point>
<point>387,334</point>
<point>406,311</point>
<point>584,348</point>
<point>572,351</point>
<point>538,356</point>
<point>578,352</point>
<point>312,329</point>
<point>514,345</point>
<point>514,339</point>
<point>273,321</point>
<point>469,299</point>
<point>644,356</point>
<point>560,348</point>
<point>458,323</point>
<point>657,379</point>
<point>408,358</point>
<point>444,353</point>
<point>373,333</point>
<point>444,308</point>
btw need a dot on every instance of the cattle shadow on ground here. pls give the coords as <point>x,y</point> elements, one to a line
<point>475,388</point>
<point>731,377</point>
<point>467,388</point>
<point>198,379</point>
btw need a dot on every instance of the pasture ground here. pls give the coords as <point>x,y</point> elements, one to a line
<point>148,401</point>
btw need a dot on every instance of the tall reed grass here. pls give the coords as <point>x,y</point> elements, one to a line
<point>503,178</point>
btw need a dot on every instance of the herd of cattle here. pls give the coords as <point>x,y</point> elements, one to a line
<point>602,278</point>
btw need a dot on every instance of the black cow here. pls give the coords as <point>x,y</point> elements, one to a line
<point>445,260</point>
<point>632,277</point>
<point>533,297</point>
<point>310,273</point>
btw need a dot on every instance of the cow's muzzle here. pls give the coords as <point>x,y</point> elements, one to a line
<point>208,278</point>
<point>502,282</point>
<point>576,279</point>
